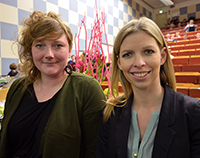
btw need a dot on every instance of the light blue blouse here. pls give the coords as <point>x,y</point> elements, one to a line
<point>145,149</point>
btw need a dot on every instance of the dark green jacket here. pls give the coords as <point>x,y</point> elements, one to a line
<point>71,130</point>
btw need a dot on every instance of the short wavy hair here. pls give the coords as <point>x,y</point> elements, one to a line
<point>44,26</point>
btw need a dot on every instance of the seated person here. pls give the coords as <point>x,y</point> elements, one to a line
<point>198,35</point>
<point>72,62</point>
<point>191,26</point>
<point>13,70</point>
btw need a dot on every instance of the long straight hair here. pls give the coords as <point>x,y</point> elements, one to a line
<point>166,70</point>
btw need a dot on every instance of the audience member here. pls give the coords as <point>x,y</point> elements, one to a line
<point>52,112</point>
<point>177,35</point>
<point>175,21</point>
<point>172,26</point>
<point>179,25</point>
<point>185,37</point>
<point>72,62</point>
<point>184,22</point>
<point>73,59</point>
<point>168,39</point>
<point>13,70</point>
<point>198,35</point>
<point>191,26</point>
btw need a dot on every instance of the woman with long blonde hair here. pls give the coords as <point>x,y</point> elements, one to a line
<point>150,119</point>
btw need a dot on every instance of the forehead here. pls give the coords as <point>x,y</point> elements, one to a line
<point>63,37</point>
<point>138,38</point>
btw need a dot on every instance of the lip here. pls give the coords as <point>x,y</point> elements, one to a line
<point>140,75</point>
<point>49,63</point>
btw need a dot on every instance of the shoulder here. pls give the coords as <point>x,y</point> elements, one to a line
<point>179,99</point>
<point>187,102</point>
<point>17,82</point>
<point>80,78</point>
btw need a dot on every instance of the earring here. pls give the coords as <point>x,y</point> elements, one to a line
<point>68,69</point>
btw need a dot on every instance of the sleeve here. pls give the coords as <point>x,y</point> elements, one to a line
<point>186,27</point>
<point>94,100</point>
<point>102,141</point>
<point>195,133</point>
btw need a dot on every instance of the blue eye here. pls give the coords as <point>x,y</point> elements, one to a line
<point>149,51</point>
<point>125,55</point>
<point>39,45</point>
<point>58,45</point>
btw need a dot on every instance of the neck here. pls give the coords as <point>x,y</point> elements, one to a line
<point>45,81</point>
<point>148,98</point>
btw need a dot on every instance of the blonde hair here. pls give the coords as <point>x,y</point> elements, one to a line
<point>166,70</point>
<point>44,26</point>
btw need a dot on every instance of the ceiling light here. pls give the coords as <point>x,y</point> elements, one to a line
<point>167,2</point>
<point>160,11</point>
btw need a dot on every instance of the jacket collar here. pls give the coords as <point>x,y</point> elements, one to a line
<point>164,134</point>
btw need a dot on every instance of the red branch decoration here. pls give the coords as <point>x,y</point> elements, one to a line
<point>95,60</point>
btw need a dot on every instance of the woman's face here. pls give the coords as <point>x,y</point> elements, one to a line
<point>50,56</point>
<point>140,59</point>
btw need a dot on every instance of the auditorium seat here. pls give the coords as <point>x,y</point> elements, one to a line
<point>193,41</point>
<point>177,68</point>
<point>197,51</point>
<point>177,47</point>
<point>192,46</point>
<point>181,60</point>
<point>194,59</point>
<point>186,52</point>
<point>194,92</point>
<point>191,68</point>
<point>182,42</point>
<point>171,43</point>
<point>187,77</point>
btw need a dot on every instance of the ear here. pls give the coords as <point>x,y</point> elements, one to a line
<point>118,63</point>
<point>70,52</point>
<point>163,55</point>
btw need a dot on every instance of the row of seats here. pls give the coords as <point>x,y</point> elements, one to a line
<point>185,60</point>
<point>184,42</point>
<point>184,46</point>
<point>187,68</point>
<point>189,89</point>
<point>181,30</point>
<point>185,52</point>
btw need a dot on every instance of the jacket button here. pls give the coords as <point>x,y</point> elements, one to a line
<point>135,155</point>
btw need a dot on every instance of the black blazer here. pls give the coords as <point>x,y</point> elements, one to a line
<point>177,135</point>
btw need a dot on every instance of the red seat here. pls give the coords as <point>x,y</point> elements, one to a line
<point>186,52</point>
<point>179,42</point>
<point>193,41</point>
<point>191,46</point>
<point>176,47</point>
<point>182,77</point>
<point>194,92</point>
<point>183,90</point>
<point>181,60</point>
<point>177,68</point>
<point>191,68</point>
<point>197,51</point>
<point>195,59</point>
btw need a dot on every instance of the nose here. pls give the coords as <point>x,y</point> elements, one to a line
<point>49,54</point>
<point>138,60</point>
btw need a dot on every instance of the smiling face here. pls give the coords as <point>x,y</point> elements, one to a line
<point>140,59</point>
<point>50,56</point>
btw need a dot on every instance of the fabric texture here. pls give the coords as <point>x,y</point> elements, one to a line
<point>72,127</point>
<point>177,135</point>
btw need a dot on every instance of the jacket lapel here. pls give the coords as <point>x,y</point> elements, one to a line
<point>122,127</point>
<point>164,135</point>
